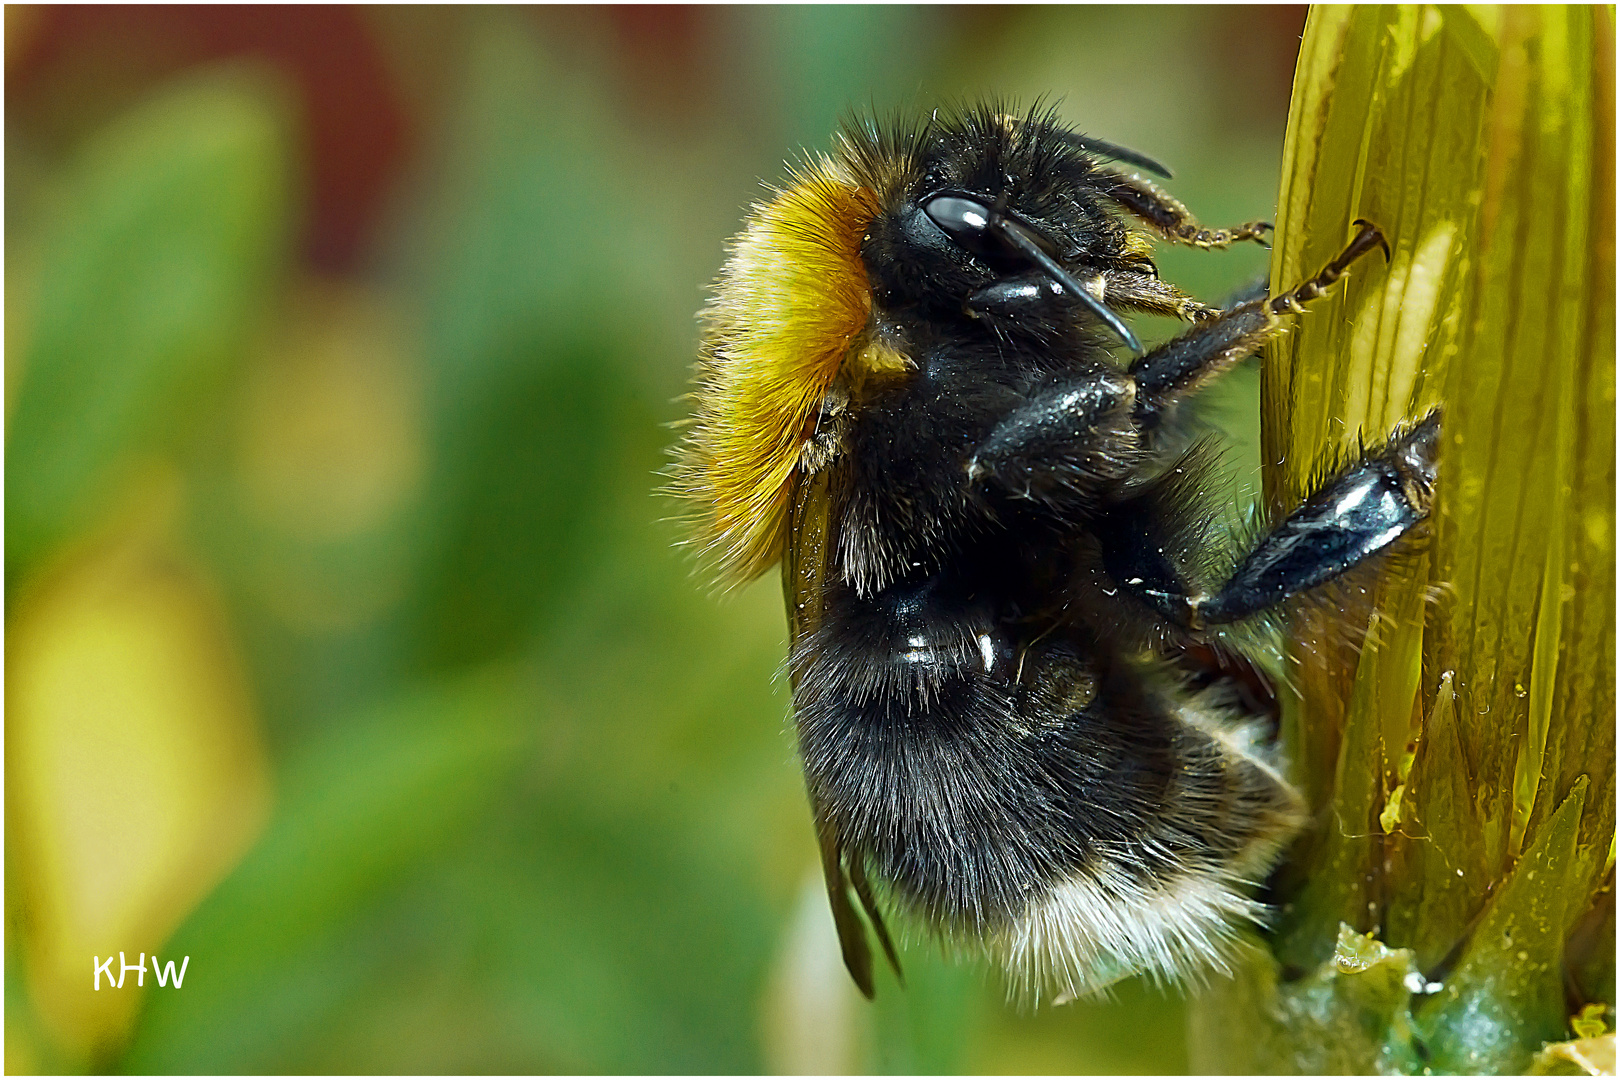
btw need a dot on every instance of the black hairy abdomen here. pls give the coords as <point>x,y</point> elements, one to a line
<point>979,768</point>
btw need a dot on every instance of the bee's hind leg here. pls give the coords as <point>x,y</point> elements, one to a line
<point>1355,514</point>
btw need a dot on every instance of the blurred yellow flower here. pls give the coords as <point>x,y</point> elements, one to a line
<point>135,773</point>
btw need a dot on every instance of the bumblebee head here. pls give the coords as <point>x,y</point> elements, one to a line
<point>984,198</point>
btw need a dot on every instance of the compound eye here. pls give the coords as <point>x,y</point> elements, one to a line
<point>967,221</point>
<point>995,237</point>
<point>1005,242</point>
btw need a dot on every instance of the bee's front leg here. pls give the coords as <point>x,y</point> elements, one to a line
<point>1151,203</point>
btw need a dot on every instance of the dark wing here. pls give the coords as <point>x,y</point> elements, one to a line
<point>805,567</point>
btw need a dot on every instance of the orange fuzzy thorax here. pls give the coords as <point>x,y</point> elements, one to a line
<point>791,306</point>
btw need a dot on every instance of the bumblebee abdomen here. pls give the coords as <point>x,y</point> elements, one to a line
<point>1052,803</point>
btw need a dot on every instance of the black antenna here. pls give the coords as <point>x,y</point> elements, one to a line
<point>1015,235</point>
<point>1118,153</point>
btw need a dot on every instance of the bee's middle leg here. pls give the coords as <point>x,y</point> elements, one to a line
<point>1181,365</point>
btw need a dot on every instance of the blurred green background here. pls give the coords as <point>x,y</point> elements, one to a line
<point>349,649</point>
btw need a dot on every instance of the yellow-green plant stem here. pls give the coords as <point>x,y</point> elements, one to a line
<point>1452,907</point>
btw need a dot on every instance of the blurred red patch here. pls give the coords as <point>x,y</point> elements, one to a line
<point>76,64</point>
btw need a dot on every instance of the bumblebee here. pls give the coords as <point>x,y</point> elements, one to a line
<point>993,547</point>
